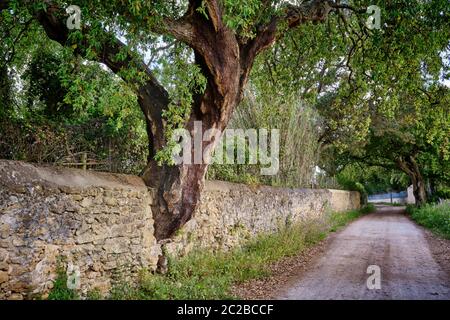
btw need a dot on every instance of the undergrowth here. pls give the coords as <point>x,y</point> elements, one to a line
<point>436,217</point>
<point>206,275</point>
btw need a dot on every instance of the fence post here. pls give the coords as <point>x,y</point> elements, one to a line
<point>84,160</point>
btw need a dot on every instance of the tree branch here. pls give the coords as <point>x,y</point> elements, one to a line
<point>181,29</point>
<point>215,14</point>
<point>152,97</point>
<point>315,11</point>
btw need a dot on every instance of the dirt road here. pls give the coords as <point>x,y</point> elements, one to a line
<point>387,239</point>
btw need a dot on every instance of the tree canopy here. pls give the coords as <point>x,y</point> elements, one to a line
<point>378,92</point>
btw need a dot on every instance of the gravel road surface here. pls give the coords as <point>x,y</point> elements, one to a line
<point>387,239</point>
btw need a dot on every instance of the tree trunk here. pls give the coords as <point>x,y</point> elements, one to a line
<point>430,187</point>
<point>179,187</point>
<point>411,168</point>
<point>419,189</point>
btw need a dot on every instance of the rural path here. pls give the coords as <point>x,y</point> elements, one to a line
<point>387,239</point>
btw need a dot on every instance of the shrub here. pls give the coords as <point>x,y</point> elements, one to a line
<point>433,216</point>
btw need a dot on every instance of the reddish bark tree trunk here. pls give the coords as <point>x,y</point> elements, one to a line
<point>179,187</point>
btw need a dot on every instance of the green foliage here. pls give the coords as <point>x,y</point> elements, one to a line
<point>433,216</point>
<point>186,80</point>
<point>378,101</point>
<point>371,179</point>
<point>443,192</point>
<point>346,71</point>
<point>418,133</point>
<point>5,92</point>
<point>60,290</point>
<point>204,275</point>
<point>45,91</point>
<point>349,73</point>
<point>369,208</point>
<point>351,183</point>
<point>241,15</point>
<point>69,107</point>
<point>299,147</point>
<point>44,141</point>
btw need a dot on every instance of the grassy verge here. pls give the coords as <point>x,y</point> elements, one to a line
<point>338,220</point>
<point>204,275</point>
<point>435,217</point>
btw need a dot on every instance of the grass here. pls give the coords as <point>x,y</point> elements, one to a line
<point>60,290</point>
<point>205,275</point>
<point>435,217</point>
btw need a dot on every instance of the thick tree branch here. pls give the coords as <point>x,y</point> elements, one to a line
<point>152,97</point>
<point>215,14</point>
<point>315,11</point>
<point>383,163</point>
<point>181,29</point>
<point>311,11</point>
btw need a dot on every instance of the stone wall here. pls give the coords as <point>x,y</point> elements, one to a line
<point>344,200</point>
<point>231,213</point>
<point>100,225</point>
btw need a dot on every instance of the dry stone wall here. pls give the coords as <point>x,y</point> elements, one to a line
<point>99,226</point>
<point>231,213</point>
